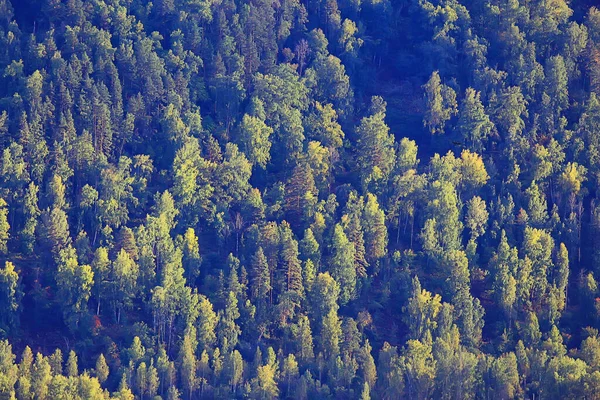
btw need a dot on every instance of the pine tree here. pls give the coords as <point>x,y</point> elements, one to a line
<point>375,230</point>
<point>441,104</point>
<point>8,368</point>
<point>191,255</point>
<point>299,189</point>
<point>376,154</point>
<point>40,377</point>
<point>72,369</point>
<point>10,298</point>
<point>255,139</point>
<point>290,261</point>
<point>342,264</point>
<point>4,227</point>
<point>31,213</point>
<point>102,369</point>
<point>187,364</point>
<point>261,284</point>
<point>473,123</point>
<point>309,247</point>
<point>56,362</point>
<point>331,332</point>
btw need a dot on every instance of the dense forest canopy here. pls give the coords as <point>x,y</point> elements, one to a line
<point>307,199</point>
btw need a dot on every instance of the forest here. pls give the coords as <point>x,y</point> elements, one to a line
<point>299,199</point>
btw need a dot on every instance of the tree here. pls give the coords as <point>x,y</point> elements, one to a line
<point>556,85</point>
<point>56,362</point>
<point>206,324</point>
<point>473,123</point>
<point>391,375</point>
<point>235,370</point>
<point>40,377</point>
<point>228,329</point>
<point>504,265</point>
<point>367,364</point>
<point>300,189</point>
<point>537,207</point>
<point>476,220</point>
<point>10,298</point>
<point>289,371</point>
<point>101,269</point>
<point>31,213</point>
<point>505,375</point>
<point>441,104</point>
<point>8,369</point>
<point>255,138</point>
<point>304,340</point>
<point>290,261</point>
<point>572,178</point>
<point>325,127</point>
<point>472,170</point>
<point>443,211</point>
<point>187,364</point>
<point>261,278</point>
<point>56,230</point>
<point>75,286</point>
<point>333,84</point>
<point>102,369</point>
<point>375,149</point>
<point>191,255</point>
<point>72,369</point>
<point>366,392</point>
<point>4,226</point>
<point>342,264</point>
<point>375,230</point>
<point>420,369</point>
<point>456,367</point>
<point>124,392</point>
<point>354,231</point>
<point>123,283</point>
<point>264,385</point>
<point>538,246</point>
<point>421,311</point>
<point>331,332</point>
<point>309,247</point>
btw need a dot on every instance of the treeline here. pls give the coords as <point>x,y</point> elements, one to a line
<point>232,199</point>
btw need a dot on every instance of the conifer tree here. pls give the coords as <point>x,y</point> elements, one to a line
<point>342,264</point>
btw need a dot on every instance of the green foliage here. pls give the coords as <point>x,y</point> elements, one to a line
<point>187,182</point>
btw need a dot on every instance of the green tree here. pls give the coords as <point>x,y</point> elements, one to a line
<point>4,227</point>
<point>255,138</point>
<point>11,295</point>
<point>420,369</point>
<point>261,277</point>
<point>473,123</point>
<point>504,265</point>
<point>325,127</point>
<point>8,370</point>
<point>331,332</point>
<point>187,364</point>
<point>206,324</point>
<point>102,370</point>
<point>375,230</point>
<point>71,367</point>
<point>376,154</point>
<point>40,377</point>
<point>75,284</point>
<point>421,311</point>
<point>123,283</point>
<point>441,104</point>
<point>342,264</point>
<point>31,213</point>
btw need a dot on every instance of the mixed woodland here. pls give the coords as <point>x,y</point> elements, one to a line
<point>301,199</point>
